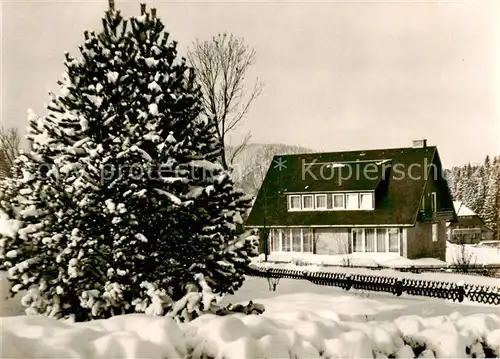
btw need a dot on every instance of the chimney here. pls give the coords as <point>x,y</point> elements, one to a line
<point>420,143</point>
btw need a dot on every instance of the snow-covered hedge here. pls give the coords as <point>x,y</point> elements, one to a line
<point>294,335</point>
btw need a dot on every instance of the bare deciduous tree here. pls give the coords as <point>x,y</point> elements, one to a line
<point>463,260</point>
<point>233,151</point>
<point>254,161</point>
<point>221,65</point>
<point>9,149</point>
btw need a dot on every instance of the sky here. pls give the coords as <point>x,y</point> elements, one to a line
<point>343,75</point>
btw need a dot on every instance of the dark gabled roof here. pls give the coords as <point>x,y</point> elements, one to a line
<point>398,177</point>
<point>316,175</point>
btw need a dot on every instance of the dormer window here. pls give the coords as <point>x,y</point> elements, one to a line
<point>307,201</point>
<point>338,201</point>
<point>333,201</point>
<point>320,201</point>
<point>366,200</point>
<point>294,203</point>
<point>352,201</point>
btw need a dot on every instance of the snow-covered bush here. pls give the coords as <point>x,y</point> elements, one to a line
<point>196,302</point>
<point>463,260</point>
<point>121,201</point>
<point>200,300</point>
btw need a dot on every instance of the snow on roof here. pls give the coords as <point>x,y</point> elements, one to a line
<point>462,210</point>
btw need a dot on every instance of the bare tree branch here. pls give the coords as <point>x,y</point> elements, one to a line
<point>237,150</point>
<point>9,149</point>
<point>221,65</point>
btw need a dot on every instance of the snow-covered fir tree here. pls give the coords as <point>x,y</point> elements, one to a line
<point>469,187</point>
<point>487,162</point>
<point>450,179</point>
<point>456,179</point>
<point>461,183</point>
<point>485,181</point>
<point>478,196</point>
<point>120,201</point>
<point>491,211</point>
<point>474,185</point>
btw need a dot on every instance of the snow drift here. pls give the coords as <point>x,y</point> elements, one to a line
<point>297,334</point>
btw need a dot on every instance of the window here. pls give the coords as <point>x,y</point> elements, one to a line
<point>381,240</point>
<point>394,240</point>
<point>340,240</point>
<point>352,201</point>
<point>320,201</point>
<point>357,240</point>
<point>434,201</point>
<point>287,241</point>
<point>275,240</point>
<point>366,200</point>
<point>307,201</point>
<point>370,240</point>
<point>307,240</point>
<point>296,240</point>
<point>338,201</point>
<point>349,242</point>
<point>291,240</point>
<point>329,201</point>
<point>434,232</point>
<point>294,202</point>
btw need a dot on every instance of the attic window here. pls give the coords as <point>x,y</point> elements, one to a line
<point>366,201</point>
<point>331,201</point>
<point>352,201</point>
<point>307,202</point>
<point>320,201</point>
<point>338,201</point>
<point>294,203</point>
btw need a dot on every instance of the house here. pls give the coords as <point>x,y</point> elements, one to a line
<point>469,227</point>
<point>390,202</point>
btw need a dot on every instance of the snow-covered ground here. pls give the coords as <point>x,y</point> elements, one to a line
<point>292,295</point>
<point>430,276</point>
<point>478,254</point>
<point>301,320</point>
